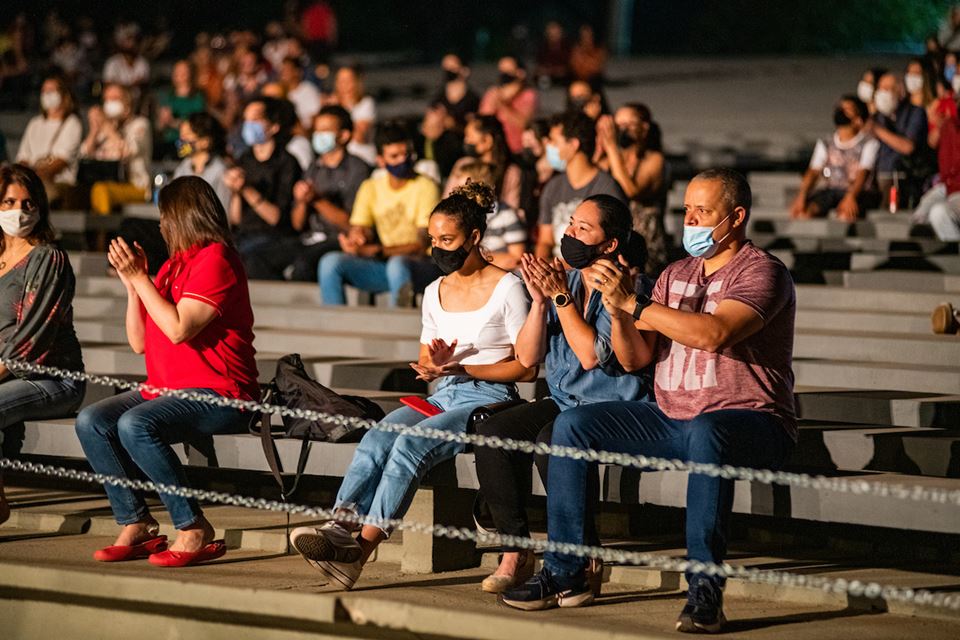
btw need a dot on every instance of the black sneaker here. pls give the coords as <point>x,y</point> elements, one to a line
<point>703,612</point>
<point>545,591</point>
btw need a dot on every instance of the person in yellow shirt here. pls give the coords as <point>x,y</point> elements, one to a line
<point>385,249</point>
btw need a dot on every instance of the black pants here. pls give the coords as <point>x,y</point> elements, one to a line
<point>287,259</point>
<point>505,476</point>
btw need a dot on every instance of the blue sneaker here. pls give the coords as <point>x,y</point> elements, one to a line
<point>703,612</point>
<point>545,591</point>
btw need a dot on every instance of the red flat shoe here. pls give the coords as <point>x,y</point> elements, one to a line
<point>183,558</point>
<point>121,552</point>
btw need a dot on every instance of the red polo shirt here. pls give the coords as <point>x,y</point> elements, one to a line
<point>221,356</point>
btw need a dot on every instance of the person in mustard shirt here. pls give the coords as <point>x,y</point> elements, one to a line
<point>385,249</point>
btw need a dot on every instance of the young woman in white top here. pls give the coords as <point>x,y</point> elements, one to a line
<point>348,92</point>
<point>471,319</point>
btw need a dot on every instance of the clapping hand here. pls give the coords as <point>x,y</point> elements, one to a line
<point>611,280</point>
<point>549,277</point>
<point>440,363</point>
<point>130,263</point>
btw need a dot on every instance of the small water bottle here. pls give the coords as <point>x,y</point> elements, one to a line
<point>159,181</point>
<point>894,194</point>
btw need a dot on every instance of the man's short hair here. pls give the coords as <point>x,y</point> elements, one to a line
<point>392,133</point>
<point>735,190</point>
<point>858,104</point>
<point>344,121</point>
<point>579,126</point>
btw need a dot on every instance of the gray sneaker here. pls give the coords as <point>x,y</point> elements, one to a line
<point>330,549</point>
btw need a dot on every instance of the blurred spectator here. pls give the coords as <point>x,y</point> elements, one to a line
<point>535,171</point>
<point>127,67</point>
<point>588,60</point>
<point>918,83</point>
<point>867,86</point>
<point>842,166</point>
<point>51,142</point>
<point>304,95</point>
<point>14,68</point>
<point>261,184</point>
<point>455,94</point>
<point>901,129</point>
<point>437,143</point>
<point>573,141</point>
<point>322,201</point>
<point>297,145</point>
<point>208,78</point>
<point>201,146</point>
<point>72,62</point>
<point>385,249</point>
<point>318,24</point>
<point>276,48</point>
<point>484,140</point>
<point>349,93</point>
<point>942,108</point>
<point>505,239</point>
<point>587,99</point>
<point>949,67</point>
<point>940,205</point>
<point>242,85</point>
<point>511,101</point>
<point>553,56</point>
<point>176,104</point>
<point>118,136</point>
<point>949,34</point>
<point>631,150</point>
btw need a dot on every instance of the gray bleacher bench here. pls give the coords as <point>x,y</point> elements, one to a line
<point>77,222</point>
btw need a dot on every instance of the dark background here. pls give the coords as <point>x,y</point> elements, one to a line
<point>484,29</point>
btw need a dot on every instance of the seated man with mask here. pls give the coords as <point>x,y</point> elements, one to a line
<point>719,327</point>
<point>386,247</point>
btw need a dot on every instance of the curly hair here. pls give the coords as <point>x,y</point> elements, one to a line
<point>469,205</point>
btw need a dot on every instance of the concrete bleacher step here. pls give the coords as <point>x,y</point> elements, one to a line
<point>877,376</point>
<point>915,451</point>
<point>850,320</point>
<point>903,260</point>
<point>863,346</point>
<point>878,408</point>
<point>895,280</point>
<point>864,299</point>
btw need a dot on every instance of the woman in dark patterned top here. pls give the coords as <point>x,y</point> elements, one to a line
<point>36,309</point>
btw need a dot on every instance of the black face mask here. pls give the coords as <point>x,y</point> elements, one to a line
<point>577,253</point>
<point>528,158</point>
<point>625,140</point>
<point>470,150</point>
<point>451,260</point>
<point>578,104</point>
<point>840,118</point>
<point>507,78</point>
<point>450,76</point>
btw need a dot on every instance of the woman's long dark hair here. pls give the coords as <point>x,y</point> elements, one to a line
<point>24,176</point>
<point>489,125</point>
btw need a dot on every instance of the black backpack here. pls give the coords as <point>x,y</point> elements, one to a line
<point>292,387</point>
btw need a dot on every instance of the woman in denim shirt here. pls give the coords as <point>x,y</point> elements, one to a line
<point>568,329</point>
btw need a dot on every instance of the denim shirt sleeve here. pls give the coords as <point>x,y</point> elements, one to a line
<point>602,344</point>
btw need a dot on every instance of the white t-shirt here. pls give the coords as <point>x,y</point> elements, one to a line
<point>868,155</point>
<point>484,336</point>
<point>45,137</point>
<point>306,100</point>
<point>364,111</point>
<point>116,70</point>
<point>299,147</point>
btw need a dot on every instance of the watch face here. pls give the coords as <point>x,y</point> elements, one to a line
<point>561,300</point>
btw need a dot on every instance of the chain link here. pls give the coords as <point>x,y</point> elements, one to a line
<point>855,588</point>
<point>917,493</point>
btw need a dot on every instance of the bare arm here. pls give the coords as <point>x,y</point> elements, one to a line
<point>134,322</point>
<point>901,144</point>
<point>261,206</point>
<point>532,340</point>
<point>511,370</point>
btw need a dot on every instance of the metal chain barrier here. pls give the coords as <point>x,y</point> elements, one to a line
<point>854,588</point>
<point>860,487</point>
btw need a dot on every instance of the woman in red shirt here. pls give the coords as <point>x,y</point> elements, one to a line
<point>194,323</point>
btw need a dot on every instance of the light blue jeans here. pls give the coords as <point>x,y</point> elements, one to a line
<point>372,275</point>
<point>37,400</point>
<point>386,468</point>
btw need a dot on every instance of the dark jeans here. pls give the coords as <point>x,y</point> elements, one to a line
<point>130,437</point>
<point>36,399</point>
<point>287,259</point>
<point>505,476</point>
<point>736,437</point>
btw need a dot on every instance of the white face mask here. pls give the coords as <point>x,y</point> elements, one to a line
<point>913,82</point>
<point>885,101</point>
<point>865,91</point>
<point>50,100</point>
<point>113,109</point>
<point>955,83</point>
<point>18,223</point>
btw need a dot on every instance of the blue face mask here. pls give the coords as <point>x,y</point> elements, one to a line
<point>253,133</point>
<point>553,157</point>
<point>699,242</point>
<point>324,142</point>
<point>402,170</point>
<point>949,71</point>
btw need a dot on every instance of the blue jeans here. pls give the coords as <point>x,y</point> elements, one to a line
<point>373,275</point>
<point>130,437</point>
<point>737,437</point>
<point>37,400</point>
<point>387,468</point>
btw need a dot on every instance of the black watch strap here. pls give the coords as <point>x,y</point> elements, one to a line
<point>643,302</point>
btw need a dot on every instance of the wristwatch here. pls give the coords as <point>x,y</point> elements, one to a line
<point>642,303</point>
<point>561,299</point>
